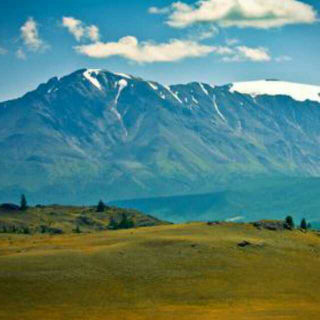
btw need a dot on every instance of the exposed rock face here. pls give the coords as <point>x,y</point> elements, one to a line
<point>272,225</point>
<point>213,223</point>
<point>244,244</point>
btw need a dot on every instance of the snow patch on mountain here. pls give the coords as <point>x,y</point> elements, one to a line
<point>173,94</point>
<point>119,117</point>
<point>50,90</point>
<point>154,87</point>
<point>88,75</point>
<point>123,75</point>
<point>195,100</point>
<point>121,84</point>
<point>217,109</point>
<point>298,92</point>
<point>203,89</point>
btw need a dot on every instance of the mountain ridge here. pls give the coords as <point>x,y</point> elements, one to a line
<point>87,71</point>
<point>115,136</point>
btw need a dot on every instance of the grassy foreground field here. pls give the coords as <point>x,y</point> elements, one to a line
<point>191,271</point>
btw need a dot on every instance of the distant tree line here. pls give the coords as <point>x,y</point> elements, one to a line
<point>126,223</point>
<point>303,224</point>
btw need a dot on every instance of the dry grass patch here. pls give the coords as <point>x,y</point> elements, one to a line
<point>191,271</point>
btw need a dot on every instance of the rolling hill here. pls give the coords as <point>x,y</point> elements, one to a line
<point>191,271</point>
<point>55,219</point>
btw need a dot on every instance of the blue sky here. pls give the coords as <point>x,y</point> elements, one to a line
<point>213,41</point>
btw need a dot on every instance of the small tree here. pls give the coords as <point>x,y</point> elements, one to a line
<point>309,226</point>
<point>100,206</point>
<point>126,223</point>
<point>290,222</point>
<point>113,225</point>
<point>23,203</point>
<point>303,224</point>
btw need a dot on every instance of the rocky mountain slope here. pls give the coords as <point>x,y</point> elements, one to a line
<point>96,134</point>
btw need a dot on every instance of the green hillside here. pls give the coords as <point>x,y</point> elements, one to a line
<point>57,219</point>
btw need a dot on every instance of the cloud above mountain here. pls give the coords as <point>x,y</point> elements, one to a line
<point>20,54</point>
<point>261,14</point>
<point>243,53</point>
<point>132,49</point>
<point>80,30</point>
<point>146,52</point>
<point>31,37</point>
<point>283,59</point>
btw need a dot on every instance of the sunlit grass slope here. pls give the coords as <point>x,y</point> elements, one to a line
<point>68,219</point>
<point>191,271</point>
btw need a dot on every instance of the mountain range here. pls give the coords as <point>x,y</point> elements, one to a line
<point>97,134</point>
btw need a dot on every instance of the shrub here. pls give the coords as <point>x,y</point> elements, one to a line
<point>113,225</point>
<point>77,229</point>
<point>26,230</point>
<point>125,223</point>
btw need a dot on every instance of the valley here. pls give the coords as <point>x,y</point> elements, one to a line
<point>246,200</point>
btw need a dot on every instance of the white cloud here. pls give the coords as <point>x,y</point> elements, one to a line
<point>80,30</point>
<point>203,32</point>
<point>283,59</point>
<point>254,54</point>
<point>30,36</point>
<point>232,42</point>
<point>93,33</point>
<point>243,53</point>
<point>3,51</point>
<point>262,14</point>
<point>155,10</point>
<point>223,51</point>
<point>20,54</point>
<point>74,26</point>
<point>146,52</point>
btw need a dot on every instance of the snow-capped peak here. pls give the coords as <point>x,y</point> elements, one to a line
<point>299,92</point>
<point>88,75</point>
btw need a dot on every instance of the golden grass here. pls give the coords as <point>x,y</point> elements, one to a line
<point>66,218</point>
<point>191,271</point>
